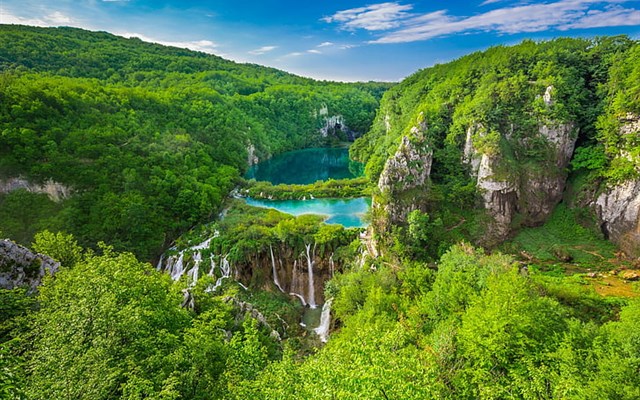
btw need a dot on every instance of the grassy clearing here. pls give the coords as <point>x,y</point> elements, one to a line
<point>567,237</point>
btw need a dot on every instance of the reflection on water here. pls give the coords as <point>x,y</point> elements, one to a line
<point>306,166</point>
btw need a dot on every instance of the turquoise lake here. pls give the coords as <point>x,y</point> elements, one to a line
<point>346,212</point>
<point>308,166</point>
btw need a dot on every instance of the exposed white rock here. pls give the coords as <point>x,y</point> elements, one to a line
<point>56,191</point>
<point>252,159</point>
<point>618,210</point>
<point>470,154</point>
<point>387,123</point>
<point>409,167</point>
<point>548,100</point>
<point>19,266</point>
<point>630,124</point>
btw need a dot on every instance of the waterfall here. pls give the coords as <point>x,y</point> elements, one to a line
<point>311,292</point>
<point>275,273</point>
<point>177,269</point>
<point>159,266</point>
<point>304,303</point>
<point>332,266</point>
<point>225,270</point>
<point>175,264</point>
<point>325,321</point>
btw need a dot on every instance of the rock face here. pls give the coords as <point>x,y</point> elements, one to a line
<point>252,159</point>
<point>332,124</point>
<point>56,191</point>
<point>618,210</point>
<point>20,266</point>
<point>618,207</point>
<point>527,188</point>
<point>409,167</point>
<point>406,171</point>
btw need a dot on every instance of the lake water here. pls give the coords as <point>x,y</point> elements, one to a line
<point>346,212</point>
<point>306,166</point>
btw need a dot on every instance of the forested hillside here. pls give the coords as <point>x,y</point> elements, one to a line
<point>148,139</point>
<point>495,132</point>
<point>501,261</point>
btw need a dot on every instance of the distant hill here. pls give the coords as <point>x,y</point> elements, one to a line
<point>149,138</point>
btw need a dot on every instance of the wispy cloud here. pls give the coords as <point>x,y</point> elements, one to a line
<point>55,18</point>
<point>376,17</point>
<point>325,44</point>
<point>205,46</point>
<point>398,25</point>
<point>262,50</point>
<point>314,51</point>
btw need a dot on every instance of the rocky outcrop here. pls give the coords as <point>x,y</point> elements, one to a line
<point>56,191</point>
<point>520,186</point>
<point>618,207</point>
<point>252,159</point>
<point>406,171</point>
<point>19,266</point>
<point>618,210</point>
<point>333,124</point>
<point>408,168</point>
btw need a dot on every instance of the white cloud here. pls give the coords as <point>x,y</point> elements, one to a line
<point>401,26</point>
<point>55,18</point>
<point>376,17</point>
<point>205,46</point>
<point>262,50</point>
<point>325,44</point>
<point>613,17</point>
<point>314,51</point>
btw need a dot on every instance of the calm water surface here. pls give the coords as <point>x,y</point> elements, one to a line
<point>308,166</point>
<point>346,212</point>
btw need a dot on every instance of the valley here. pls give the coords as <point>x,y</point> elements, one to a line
<point>180,226</point>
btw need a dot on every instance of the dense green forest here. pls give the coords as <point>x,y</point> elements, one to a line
<point>152,139</point>
<point>495,99</point>
<point>149,138</point>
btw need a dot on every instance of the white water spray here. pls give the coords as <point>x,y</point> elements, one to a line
<point>325,322</point>
<point>312,290</point>
<point>275,273</point>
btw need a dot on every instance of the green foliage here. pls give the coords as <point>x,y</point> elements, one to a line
<point>59,246</point>
<point>338,188</point>
<point>23,214</point>
<point>151,139</point>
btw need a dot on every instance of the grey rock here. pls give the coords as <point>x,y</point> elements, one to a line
<point>19,266</point>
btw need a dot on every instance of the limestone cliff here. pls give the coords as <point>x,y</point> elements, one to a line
<point>515,185</point>
<point>20,266</point>
<point>404,176</point>
<point>618,206</point>
<point>56,191</point>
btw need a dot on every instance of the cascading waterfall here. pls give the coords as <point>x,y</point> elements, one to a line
<point>325,321</point>
<point>275,273</point>
<point>225,271</point>
<point>312,291</point>
<point>294,284</point>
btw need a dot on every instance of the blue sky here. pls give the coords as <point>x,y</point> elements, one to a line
<point>331,39</point>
